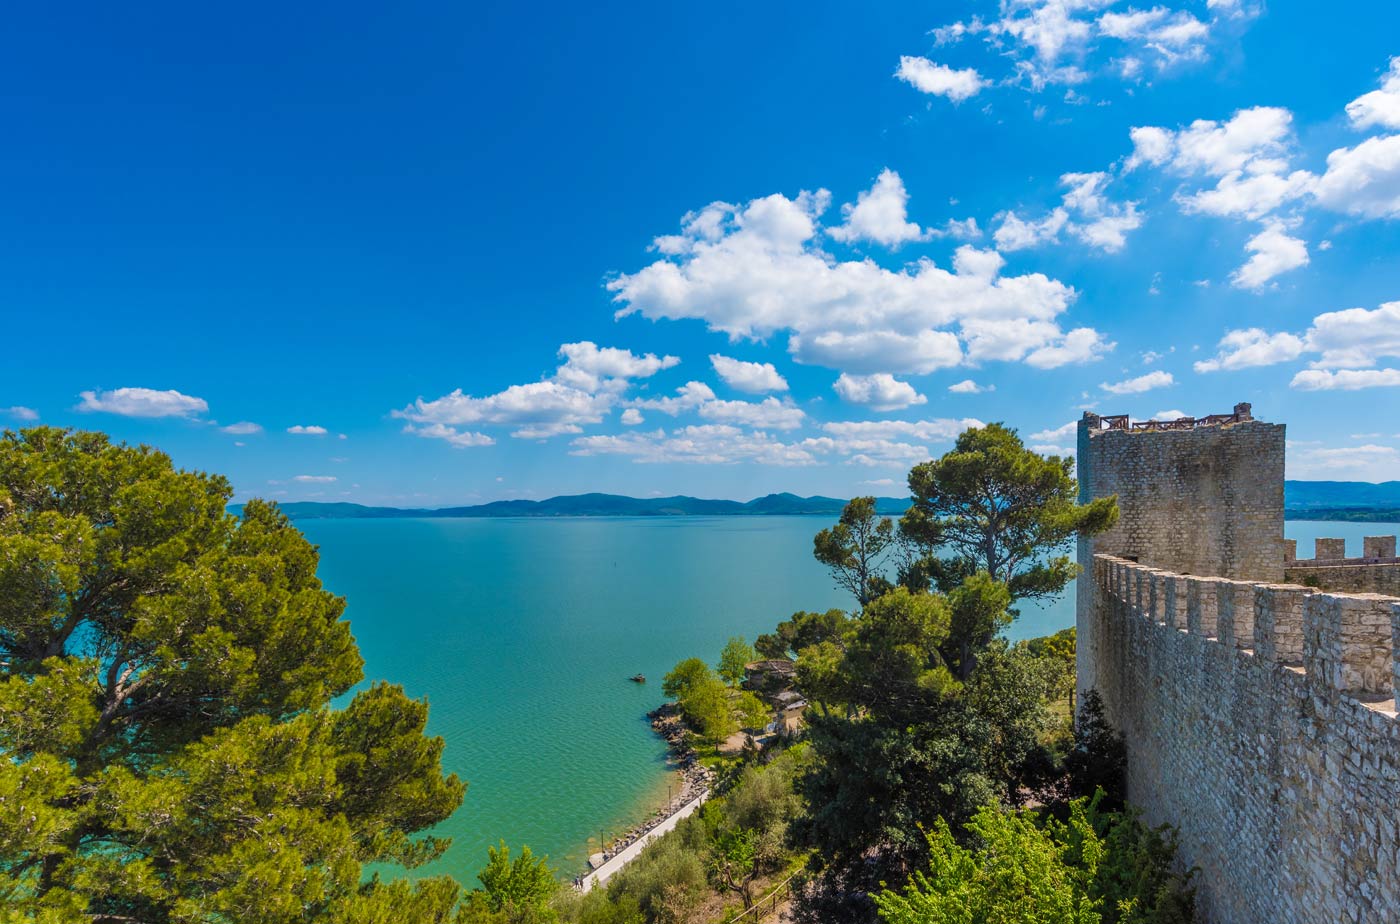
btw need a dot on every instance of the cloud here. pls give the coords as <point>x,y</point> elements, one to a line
<point>586,386</point>
<point>1169,415</point>
<point>707,444</point>
<point>753,378</point>
<point>459,439</point>
<point>1364,180</point>
<point>935,430</point>
<point>588,367</point>
<point>1363,463</point>
<point>698,397</point>
<point>1345,379</point>
<point>1015,233</point>
<point>1253,140</point>
<point>1239,195</point>
<point>1142,383</point>
<point>880,482</point>
<point>1379,108</point>
<point>1243,349</point>
<point>631,417</point>
<point>969,387</point>
<point>1085,212</point>
<point>880,214</point>
<point>1273,253</point>
<point>1158,27</point>
<point>142,402</point>
<point>880,392</point>
<point>314,479</point>
<point>938,79</point>
<point>242,428</point>
<point>1058,434</point>
<point>312,430</point>
<point>20,412</point>
<point>536,410</point>
<point>1356,337</point>
<point>759,271</point>
<point>1068,42</point>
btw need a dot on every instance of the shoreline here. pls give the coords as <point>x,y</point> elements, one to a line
<point>694,784</point>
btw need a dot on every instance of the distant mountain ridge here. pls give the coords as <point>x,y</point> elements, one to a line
<point>1301,495</point>
<point>596,505</point>
<point>1347,499</point>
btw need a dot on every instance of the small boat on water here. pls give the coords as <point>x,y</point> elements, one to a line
<point>638,678</point>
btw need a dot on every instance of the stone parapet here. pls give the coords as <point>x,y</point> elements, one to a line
<point>1260,720</point>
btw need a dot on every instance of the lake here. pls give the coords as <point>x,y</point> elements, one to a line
<point>522,634</point>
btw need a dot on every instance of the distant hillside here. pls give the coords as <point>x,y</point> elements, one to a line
<point>596,505</point>
<point>1316,500</point>
<point>1340,495</point>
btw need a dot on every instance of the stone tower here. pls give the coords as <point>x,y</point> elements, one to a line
<point>1195,496</point>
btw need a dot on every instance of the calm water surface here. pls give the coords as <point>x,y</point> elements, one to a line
<point>521,633</point>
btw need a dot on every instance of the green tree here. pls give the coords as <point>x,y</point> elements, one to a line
<point>708,709</point>
<point>803,630</point>
<point>995,506</point>
<point>1099,760</point>
<point>1019,873</point>
<point>518,891</point>
<point>894,654</point>
<point>685,675</point>
<point>1094,867</point>
<point>737,652</point>
<point>979,608</point>
<point>855,549</point>
<point>749,710</point>
<point>168,749</point>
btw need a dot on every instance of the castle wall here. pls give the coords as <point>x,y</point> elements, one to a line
<point>1377,571</point>
<point>1260,722</point>
<point>1203,499</point>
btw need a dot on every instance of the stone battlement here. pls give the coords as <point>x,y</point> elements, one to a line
<point>1256,692</point>
<point>1343,641</point>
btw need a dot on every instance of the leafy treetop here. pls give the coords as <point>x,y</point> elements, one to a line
<point>990,504</point>
<point>165,673</point>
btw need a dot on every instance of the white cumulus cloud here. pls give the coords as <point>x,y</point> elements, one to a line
<point>305,430</point>
<point>242,428</point>
<point>764,273</point>
<point>1242,349</point>
<point>880,214</point>
<point>20,412</point>
<point>1140,384</point>
<point>1273,252</point>
<point>753,378</point>
<point>1379,108</point>
<point>142,402</point>
<point>939,79</point>
<point>880,392</point>
<point>1364,180</point>
<point>458,439</point>
<point>970,387</point>
<point>1345,379</point>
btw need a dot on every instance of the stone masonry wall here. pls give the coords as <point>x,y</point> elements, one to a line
<point>1202,501</point>
<point>1376,571</point>
<point>1260,722</point>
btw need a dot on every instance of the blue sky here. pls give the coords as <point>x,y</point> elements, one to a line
<point>445,253</point>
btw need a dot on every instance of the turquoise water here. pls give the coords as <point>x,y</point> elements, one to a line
<point>522,633</point>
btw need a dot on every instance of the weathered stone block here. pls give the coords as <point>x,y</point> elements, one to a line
<point>1378,547</point>
<point>1329,549</point>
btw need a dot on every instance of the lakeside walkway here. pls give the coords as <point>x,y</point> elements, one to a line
<point>629,853</point>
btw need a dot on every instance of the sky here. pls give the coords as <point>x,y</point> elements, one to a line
<point>428,253</point>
